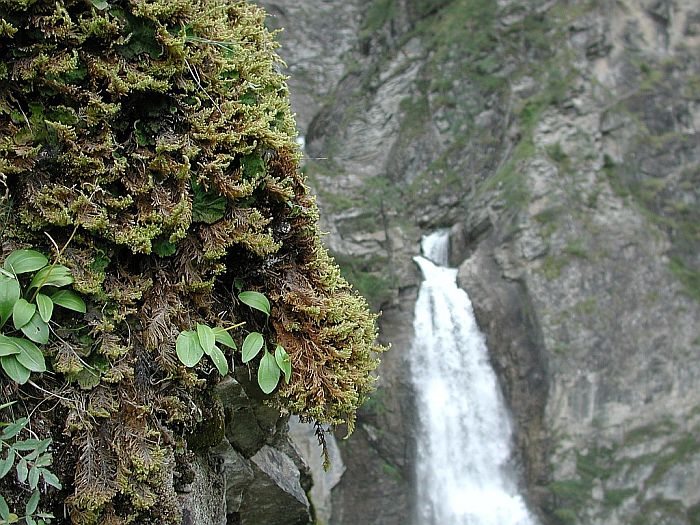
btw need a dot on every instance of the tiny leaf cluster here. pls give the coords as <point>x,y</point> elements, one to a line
<point>30,309</point>
<point>31,461</point>
<point>271,366</point>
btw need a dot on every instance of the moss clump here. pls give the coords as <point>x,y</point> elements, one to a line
<point>154,140</point>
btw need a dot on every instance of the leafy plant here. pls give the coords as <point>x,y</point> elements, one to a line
<point>271,366</point>
<point>30,459</point>
<point>191,345</point>
<point>31,310</point>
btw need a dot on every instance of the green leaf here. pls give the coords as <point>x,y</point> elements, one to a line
<point>6,464</point>
<point>57,276</point>
<point>44,460</point>
<point>33,479</point>
<point>164,248</point>
<point>4,509</point>
<point>45,305</point>
<point>13,428</point>
<point>9,294</point>
<point>7,347</point>
<point>23,261</point>
<point>50,478</point>
<point>27,444</point>
<point>188,349</point>
<point>255,300</point>
<point>22,313</point>
<point>30,521</point>
<point>206,337</point>
<point>22,470</point>
<point>69,299</point>
<point>283,361</point>
<point>17,372</point>
<point>30,356</point>
<point>13,518</point>
<point>87,378</point>
<point>219,360</point>
<point>268,373</point>
<point>251,345</point>
<point>207,206</point>
<point>100,5</point>
<point>223,337</point>
<point>36,329</point>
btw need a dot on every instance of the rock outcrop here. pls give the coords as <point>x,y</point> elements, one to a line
<point>559,142</point>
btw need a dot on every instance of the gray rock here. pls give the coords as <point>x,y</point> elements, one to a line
<point>274,496</point>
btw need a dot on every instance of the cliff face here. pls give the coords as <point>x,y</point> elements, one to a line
<point>558,141</point>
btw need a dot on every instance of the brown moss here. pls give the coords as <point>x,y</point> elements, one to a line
<point>157,136</point>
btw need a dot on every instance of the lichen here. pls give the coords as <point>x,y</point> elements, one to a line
<point>154,140</point>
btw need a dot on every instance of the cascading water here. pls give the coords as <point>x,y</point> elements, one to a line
<point>464,436</point>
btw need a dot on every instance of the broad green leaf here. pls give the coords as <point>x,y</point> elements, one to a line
<point>23,261</point>
<point>6,464</point>
<point>251,345</point>
<point>223,337</point>
<point>5,273</point>
<point>206,337</point>
<point>4,509</point>
<point>9,294</point>
<point>283,361</point>
<point>255,300</point>
<point>22,313</point>
<point>7,347</point>
<point>30,521</point>
<point>22,470</point>
<point>30,356</point>
<point>57,275</point>
<point>50,478</point>
<point>44,460</point>
<point>17,372</point>
<point>219,359</point>
<point>268,373</point>
<point>188,349</point>
<point>13,518</point>
<point>45,305</point>
<point>36,329</point>
<point>27,444</point>
<point>69,299</point>
<point>13,429</point>
<point>33,479</point>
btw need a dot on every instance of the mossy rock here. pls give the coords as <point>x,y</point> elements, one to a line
<point>149,145</point>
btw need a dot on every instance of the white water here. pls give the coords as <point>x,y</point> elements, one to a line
<point>464,435</point>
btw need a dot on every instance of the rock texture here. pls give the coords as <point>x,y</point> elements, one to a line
<point>250,475</point>
<point>559,142</point>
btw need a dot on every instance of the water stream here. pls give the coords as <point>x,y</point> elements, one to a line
<point>464,473</point>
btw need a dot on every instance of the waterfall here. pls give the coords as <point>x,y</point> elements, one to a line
<point>463,473</point>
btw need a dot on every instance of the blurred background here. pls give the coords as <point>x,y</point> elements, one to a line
<point>556,141</point>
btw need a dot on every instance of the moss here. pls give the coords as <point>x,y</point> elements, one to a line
<point>154,141</point>
<point>552,266</point>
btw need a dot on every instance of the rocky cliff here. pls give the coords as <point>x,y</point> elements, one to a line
<point>558,140</point>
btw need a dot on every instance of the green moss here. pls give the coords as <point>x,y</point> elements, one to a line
<point>154,141</point>
<point>552,266</point>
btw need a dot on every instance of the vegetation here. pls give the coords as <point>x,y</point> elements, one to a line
<point>153,142</point>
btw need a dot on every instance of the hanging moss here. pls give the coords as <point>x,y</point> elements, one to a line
<point>154,139</point>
